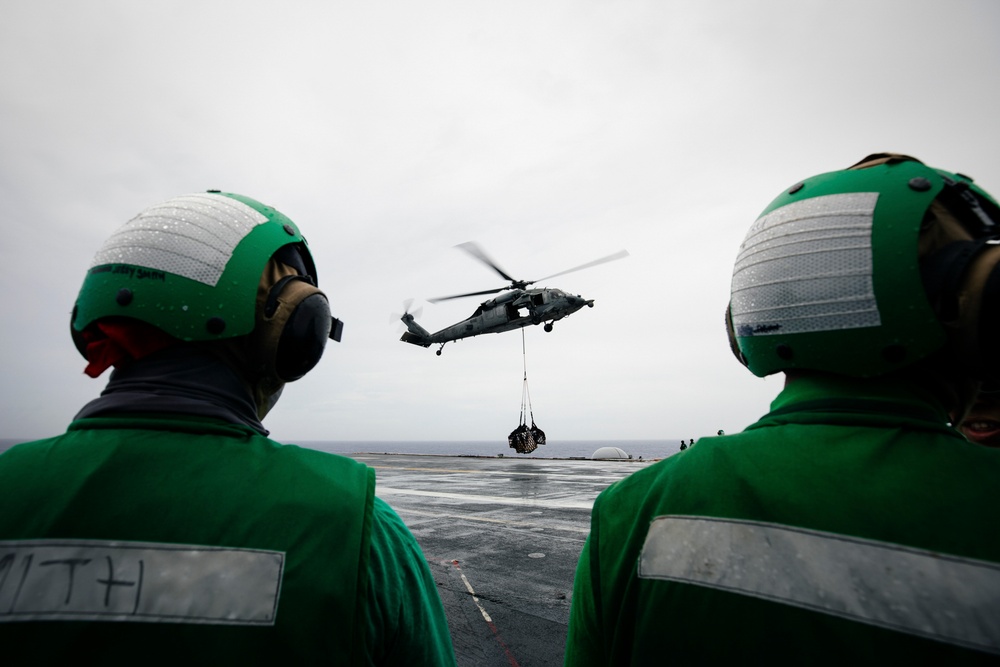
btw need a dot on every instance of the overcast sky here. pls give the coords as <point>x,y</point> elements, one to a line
<point>551,133</point>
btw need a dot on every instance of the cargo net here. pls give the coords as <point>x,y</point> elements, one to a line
<point>525,439</point>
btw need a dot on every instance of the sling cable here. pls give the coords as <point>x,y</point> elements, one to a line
<point>525,439</point>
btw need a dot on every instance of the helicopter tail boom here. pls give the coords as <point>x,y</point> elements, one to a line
<point>415,334</point>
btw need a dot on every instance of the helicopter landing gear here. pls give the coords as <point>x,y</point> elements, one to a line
<point>438,353</point>
<point>548,327</point>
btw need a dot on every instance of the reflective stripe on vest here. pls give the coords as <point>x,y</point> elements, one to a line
<point>97,580</point>
<point>938,596</point>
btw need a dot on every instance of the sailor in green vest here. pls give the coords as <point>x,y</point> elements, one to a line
<point>164,525</point>
<point>852,524</point>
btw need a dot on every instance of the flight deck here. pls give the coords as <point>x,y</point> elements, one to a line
<point>502,537</point>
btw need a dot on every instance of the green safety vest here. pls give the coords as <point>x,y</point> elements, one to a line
<point>154,539</point>
<point>843,527</point>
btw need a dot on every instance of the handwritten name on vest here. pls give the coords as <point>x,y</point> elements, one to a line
<point>138,581</point>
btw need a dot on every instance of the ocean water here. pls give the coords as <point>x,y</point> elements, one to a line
<point>555,449</point>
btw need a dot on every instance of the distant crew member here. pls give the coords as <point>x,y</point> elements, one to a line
<point>164,526</point>
<point>851,524</point>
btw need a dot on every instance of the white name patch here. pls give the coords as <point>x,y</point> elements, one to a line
<point>96,580</point>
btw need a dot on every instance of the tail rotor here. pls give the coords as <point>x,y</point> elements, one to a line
<point>408,315</point>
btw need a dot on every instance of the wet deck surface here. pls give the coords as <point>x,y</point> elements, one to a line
<point>502,537</point>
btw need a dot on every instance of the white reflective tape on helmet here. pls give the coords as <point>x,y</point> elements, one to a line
<point>941,597</point>
<point>193,236</point>
<point>807,267</point>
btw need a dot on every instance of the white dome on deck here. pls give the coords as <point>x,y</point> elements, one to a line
<point>609,453</point>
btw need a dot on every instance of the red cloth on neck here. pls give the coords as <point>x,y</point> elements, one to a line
<point>113,342</point>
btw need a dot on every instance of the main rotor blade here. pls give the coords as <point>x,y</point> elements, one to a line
<point>610,258</point>
<point>461,296</point>
<point>478,253</point>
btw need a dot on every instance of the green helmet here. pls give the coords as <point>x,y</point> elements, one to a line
<point>190,266</point>
<point>830,277</point>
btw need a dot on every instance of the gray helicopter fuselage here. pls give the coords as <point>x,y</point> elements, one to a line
<point>511,310</point>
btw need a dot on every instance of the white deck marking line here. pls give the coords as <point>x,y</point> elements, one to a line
<point>499,500</point>
<point>489,621</point>
<point>464,517</point>
<point>482,610</point>
<point>561,475</point>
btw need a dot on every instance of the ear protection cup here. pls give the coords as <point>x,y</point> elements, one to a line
<point>961,275</point>
<point>962,282</point>
<point>305,331</point>
<point>943,273</point>
<point>734,346</point>
<point>989,323</point>
<point>979,300</point>
<point>78,341</point>
<point>293,328</point>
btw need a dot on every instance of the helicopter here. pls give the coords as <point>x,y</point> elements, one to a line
<point>518,306</point>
